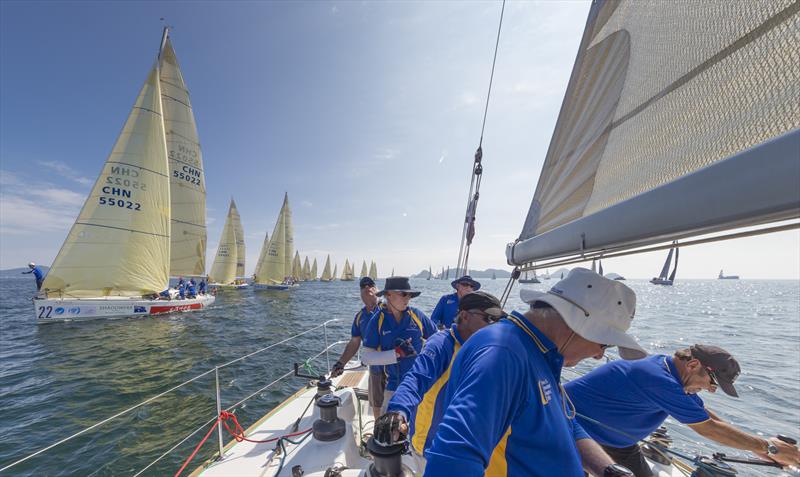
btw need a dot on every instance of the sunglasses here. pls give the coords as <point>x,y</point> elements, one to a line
<point>403,294</point>
<point>712,377</point>
<point>604,347</point>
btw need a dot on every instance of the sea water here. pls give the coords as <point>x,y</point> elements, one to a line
<point>58,379</point>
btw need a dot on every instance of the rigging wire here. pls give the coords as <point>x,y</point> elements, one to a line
<point>468,231</point>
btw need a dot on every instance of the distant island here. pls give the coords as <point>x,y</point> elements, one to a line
<point>488,273</point>
<point>15,272</point>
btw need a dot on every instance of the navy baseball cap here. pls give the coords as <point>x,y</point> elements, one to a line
<point>366,282</point>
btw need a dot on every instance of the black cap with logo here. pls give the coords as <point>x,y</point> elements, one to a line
<point>486,302</point>
<point>366,282</point>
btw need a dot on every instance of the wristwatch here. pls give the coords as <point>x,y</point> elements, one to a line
<point>772,449</point>
<point>616,470</point>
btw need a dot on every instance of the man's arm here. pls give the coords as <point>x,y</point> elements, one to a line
<point>428,368</point>
<point>438,314</point>
<point>727,434</point>
<point>350,350</point>
<point>594,458</point>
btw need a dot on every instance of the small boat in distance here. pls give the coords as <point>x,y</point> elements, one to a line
<point>271,272</point>
<point>662,278</point>
<point>373,271</point>
<point>347,273</point>
<point>227,270</point>
<point>529,277</point>
<point>727,277</point>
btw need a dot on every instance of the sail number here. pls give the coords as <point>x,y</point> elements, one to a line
<point>126,183</point>
<point>125,204</point>
<point>44,311</point>
<point>187,176</point>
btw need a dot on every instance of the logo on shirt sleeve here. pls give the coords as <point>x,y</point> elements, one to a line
<point>545,391</point>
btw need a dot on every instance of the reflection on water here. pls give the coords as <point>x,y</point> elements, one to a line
<point>58,379</point>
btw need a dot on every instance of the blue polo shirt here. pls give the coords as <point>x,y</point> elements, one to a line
<point>382,331</point>
<point>420,395</point>
<point>446,310</point>
<point>357,329</point>
<point>506,415</point>
<point>634,397</point>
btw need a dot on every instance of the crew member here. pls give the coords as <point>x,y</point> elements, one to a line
<point>398,328</point>
<point>37,272</point>
<point>418,399</point>
<point>622,402</point>
<point>447,308</point>
<point>506,413</point>
<point>377,377</point>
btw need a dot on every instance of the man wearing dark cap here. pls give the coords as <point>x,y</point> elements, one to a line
<point>631,399</point>
<point>398,330</point>
<point>377,378</point>
<point>447,308</point>
<point>417,402</point>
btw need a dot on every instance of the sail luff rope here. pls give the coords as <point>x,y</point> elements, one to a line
<point>468,230</point>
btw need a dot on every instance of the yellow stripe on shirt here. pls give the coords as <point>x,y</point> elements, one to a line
<point>498,466</point>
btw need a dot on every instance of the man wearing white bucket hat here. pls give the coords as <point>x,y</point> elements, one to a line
<point>507,414</point>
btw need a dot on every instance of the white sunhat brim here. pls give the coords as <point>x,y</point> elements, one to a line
<point>576,319</point>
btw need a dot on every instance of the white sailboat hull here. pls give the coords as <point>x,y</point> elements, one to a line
<point>230,286</point>
<point>60,310</point>
<point>263,286</point>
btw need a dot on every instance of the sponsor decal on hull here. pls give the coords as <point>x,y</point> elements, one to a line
<point>154,310</point>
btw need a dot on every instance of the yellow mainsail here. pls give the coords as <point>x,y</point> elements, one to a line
<point>326,270</point>
<point>120,242</point>
<point>186,177</point>
<point>272,269</point>
<point>240,251</point>
<point>224,268</point>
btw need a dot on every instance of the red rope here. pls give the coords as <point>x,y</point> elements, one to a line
<point>237,432</point>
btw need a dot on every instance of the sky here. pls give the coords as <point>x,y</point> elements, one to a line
<point>367,113</point>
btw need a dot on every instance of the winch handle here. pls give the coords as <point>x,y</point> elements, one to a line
<point>301,375</point>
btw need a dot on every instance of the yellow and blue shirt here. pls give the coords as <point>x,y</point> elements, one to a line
<point>445,311</point>
<point>360,323</point>
<point>420,395</point>
<point>633,397</point>
<point>383,330</point>
<point>506,413</point>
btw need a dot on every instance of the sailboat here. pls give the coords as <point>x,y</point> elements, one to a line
<point>306,270</point>
<point>430,273</point>
<point>662,278</point>
<point>364,271</point>
<point>546,275</point>
<point>529,277</point>
<point>117,258</point>
<point>228,265</point>
<point>347,273</point>
<point>335,269</point>
<point>314,271</point>
<point>447,274</point>
<point>373,271</point>
<point>326,271</point>
<point>722,276</point>
<point>271,272</point>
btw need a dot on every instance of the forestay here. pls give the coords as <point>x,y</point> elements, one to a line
<point>679,119</point>
<point>187,180</point>
<point>119,245</point>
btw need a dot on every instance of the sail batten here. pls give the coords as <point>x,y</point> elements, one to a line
<point>670,113</point>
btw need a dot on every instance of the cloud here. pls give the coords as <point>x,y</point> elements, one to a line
<point>20,216</point>
<point>334,9</point>
<point>306,203</point>
<point>59,196</point>
<point>386,154</point>
<point>66,171</point>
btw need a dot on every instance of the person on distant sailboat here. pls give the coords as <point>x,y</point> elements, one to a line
<point>36,273</point>
<point>506,412</point>
<point>447,308</point>
<point>631,399</point>
<point>202,287</point>
<point>377,377</point>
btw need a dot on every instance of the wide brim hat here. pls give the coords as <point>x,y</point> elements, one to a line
<point>467,280</point>
<point>596,308</point>
<point>400,284</point>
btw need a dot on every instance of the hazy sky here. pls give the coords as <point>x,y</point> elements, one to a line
<point>366,113</point>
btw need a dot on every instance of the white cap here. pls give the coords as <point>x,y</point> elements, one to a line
<point>596,308</point>
<point>31,264</point>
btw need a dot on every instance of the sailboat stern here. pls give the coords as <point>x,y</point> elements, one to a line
<point>60,310</point>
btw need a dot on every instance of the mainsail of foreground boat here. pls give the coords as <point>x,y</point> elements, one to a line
<point>227,262</point>
<point>116,258</point>
<point>271,273</point>
<point>663,278</point>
